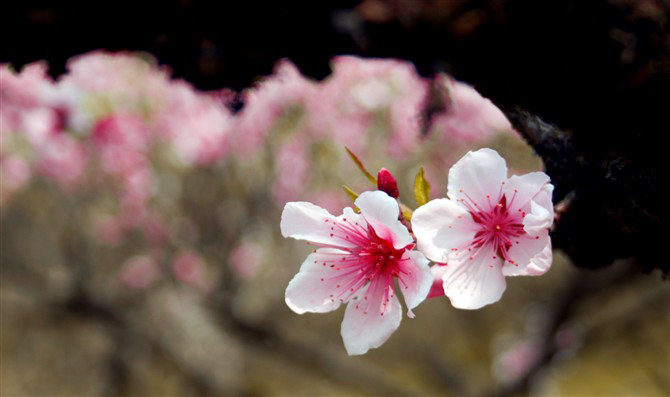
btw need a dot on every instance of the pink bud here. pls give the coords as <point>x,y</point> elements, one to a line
<point>386,183</point>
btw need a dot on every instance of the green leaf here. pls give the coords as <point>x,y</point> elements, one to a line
<point>361,167</point>
<point>421,188</point>
<point>406,212</point>
<point>350,192</point>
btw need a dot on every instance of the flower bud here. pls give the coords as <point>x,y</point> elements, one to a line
<point>386,183</point>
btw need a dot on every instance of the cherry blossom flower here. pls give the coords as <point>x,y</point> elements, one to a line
<point>489,227</point>
<point>358,259</point>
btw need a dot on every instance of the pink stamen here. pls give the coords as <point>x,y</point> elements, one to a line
<point>498,228</point>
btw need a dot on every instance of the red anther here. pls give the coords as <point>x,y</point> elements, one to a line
<point>387,183</point>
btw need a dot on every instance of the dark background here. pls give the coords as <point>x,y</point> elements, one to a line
<point>598,71</point>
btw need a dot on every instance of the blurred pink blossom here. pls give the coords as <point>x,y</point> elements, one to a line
<point>266,103</point>
<point>122,141</point>
<point>517,360</point>
<point>468,116</point>
<point>104,82</point>
<point>331,200</point>
<point>14,172</point>
<point>292,168</point>
<point>189,268</point>
<point>25,108</point>
<point>128,131</point>
<point>64,159</point>
<point>156,230</point>
<point>245,259</point>
<point>197,125</point>
<point>360,90</point>
<point>109,230</point>
<point>139,272</point>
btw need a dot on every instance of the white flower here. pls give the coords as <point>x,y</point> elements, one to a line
<point>358,259</point>
<point>489,227</point>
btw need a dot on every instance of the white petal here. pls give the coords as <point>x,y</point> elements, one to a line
<point>537,219</point>
<point>363,331</point>
<point>306,221</point>
<point>541,262</point>
<point>520,189</point>
<point>472,284</point>
<point>318,288</point>
<point>532,254</point>
<point>441,225</point>
<point>415,279</point>
<point>475,175</point>
<point>381,212</point>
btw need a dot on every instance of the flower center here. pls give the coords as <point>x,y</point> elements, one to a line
<point>380,253</point>
<point>499,228</point>
<point>373,262</point>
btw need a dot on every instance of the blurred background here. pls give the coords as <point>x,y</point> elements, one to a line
<point>149,147</point>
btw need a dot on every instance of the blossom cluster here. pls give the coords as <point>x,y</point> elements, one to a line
<point>489,226</point>
<point>125,104</point>
<point>126,141</point>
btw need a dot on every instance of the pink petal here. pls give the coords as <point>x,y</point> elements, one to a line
<point>318,288</point>
<point>381,212</point>
<point>306,221</point>
<point>532,254</point>
<point>476,175</point>
<point>437,289</point>
<point>441,225</point>
<point>414,279</point>
<point>362,331</point>
<point>474,283</point>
